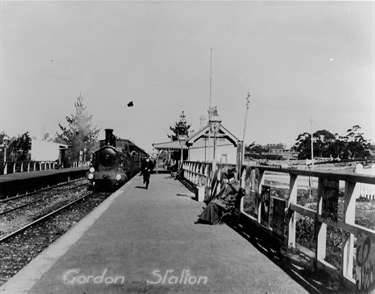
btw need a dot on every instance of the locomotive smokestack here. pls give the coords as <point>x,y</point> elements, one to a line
<point>108,136</point>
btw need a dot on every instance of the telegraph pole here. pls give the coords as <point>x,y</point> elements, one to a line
<point>209,109</point>
<point>244,128</point>
<point>312,143</point>
<point>312,157</point>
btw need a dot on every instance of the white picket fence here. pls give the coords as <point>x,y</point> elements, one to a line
<point>366,190</point>
<point>12,167</point>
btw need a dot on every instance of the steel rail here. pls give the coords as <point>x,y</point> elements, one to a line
<point>42,218</point>
<point>38,191</point>
<point>31,202</point>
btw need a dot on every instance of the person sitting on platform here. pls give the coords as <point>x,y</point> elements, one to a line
<point>213,212</point>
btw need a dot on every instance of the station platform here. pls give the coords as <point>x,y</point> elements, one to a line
<point>37,174</point>
<point>145,241</point>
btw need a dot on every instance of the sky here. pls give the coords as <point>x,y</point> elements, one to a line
<point>307,65</point>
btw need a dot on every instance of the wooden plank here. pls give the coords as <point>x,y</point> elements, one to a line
<point>303,210</point>
<point>292,218</point>
<point>350,177</point>
<point>339,224</point>
<point>349,218</point>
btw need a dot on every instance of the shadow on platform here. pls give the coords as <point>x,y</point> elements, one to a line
<point>161,171</point>
<point>298,266</point>
<point>191,195</point>
<point>140,187</point>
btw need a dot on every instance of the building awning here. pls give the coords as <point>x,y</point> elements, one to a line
<point>63,146</point>
<point>173,145</point>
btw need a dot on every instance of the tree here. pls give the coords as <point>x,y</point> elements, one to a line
<point>181,128</point>
<point>323,139</point>
<point>20,147</point>
<point>303,146</point>
<point>46,137</point>
<point>326,144</point>
<point>255,148</point>
<point>356,146</point>
<point>80,134</point>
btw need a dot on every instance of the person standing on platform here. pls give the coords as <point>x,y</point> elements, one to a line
<point>146,169</point>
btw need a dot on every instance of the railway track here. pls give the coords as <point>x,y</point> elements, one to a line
<point>13,207</point>
<point>21,211</point>
<point>22,245</point>
<point>43,218</point>
<point>39,191</point>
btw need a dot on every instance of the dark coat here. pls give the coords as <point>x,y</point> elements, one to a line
<point>147,167</point>
<point>213,211</point>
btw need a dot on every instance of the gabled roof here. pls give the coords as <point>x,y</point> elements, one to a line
<point>204,132</point>
<point>172,145</point>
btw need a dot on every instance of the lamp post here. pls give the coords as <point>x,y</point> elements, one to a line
<point>181,139</point>
<point>215,123</point>
<point>84,155</point>
<point>5,144</point>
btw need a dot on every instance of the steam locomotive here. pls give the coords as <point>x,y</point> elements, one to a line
<point>114,163</point>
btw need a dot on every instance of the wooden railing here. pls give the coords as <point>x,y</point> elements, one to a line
<point>274,203</point>
<point>10,167</point>
<point>366,191</point>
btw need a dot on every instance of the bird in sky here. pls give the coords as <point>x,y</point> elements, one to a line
<point>130,104</point>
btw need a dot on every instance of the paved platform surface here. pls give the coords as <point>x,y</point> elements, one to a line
<point>144,241</point>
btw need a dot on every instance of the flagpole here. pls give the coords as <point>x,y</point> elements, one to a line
<point>244,128</point>
<point>209,108</point>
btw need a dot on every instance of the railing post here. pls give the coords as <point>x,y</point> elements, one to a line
<point>349,218</point>
<point>320,228</point>
<point>259,192</point>
<point>5,169</point>
<point>21,167</point>
<point>246,184</point>
<point>292,216</point>
<point>14,167</point>
<point>28,166</point>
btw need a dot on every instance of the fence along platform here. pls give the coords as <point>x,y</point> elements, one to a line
<point>12,167</point>
<point>366,190</point>
<point>356,266</point>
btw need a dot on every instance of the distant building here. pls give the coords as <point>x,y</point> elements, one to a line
<point>200,145</point>
<point>285,153</point>
<point>47,151</point>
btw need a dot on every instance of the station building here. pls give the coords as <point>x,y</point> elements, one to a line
<point>212,141</point>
